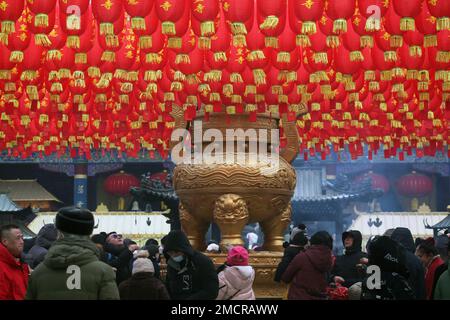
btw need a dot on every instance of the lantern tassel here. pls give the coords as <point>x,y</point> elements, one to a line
<point>430,41</point>
<point>112,41</point>
<point>145,42</point>
<point>4,39</point>
<point>10,86</point>
<point>369,75</point>
<point>73,42</point>
<point>238,28</point>
<point>5,74</point>
<point>390,56</point>
<point>214,97</point>
<point>176,86</point>
<point>235,78</point>
<point>213,75</point>
<point>443,56</point>
<point>41,20</point>
<point>174,43</point>
<point>108,56</point>
<point>93,72</point>
<point>309,27</point>
<point>151,88</point>
<point>220,56</point>
<point>120,74</point>
<point>356,56</point>
<point>106,28</point>
<point>366,42</point>
<point>42,40</point>
<point>412,75</point>
<point>283,57</point>
<point>152,58</point>
<point>415,51</point>
<point>207,28</point>
<point>320,57</point>
<point>56,87</point>
<point>204,43</point>
<point>179,76</point>
<point>260,76</point>
<point>169,96</point>
<point>443,23</point>
<point>54,55</point>
<point>270,22</point>
<point>249,89</point>
<point>396,41</point>
<point>27,75</point>
<point>16,57</point>
<point>303,41</point>
<point>182,58</point>
<point>256,55</point>
<point>124,98</point>
<point>372,24</point>
<point>239,40</point>
<point>80,58</point>
<point>168,28</point>
<point>407,24</point>
<point>333,41</point>
<point>32,92</point>
<point>339,25</point>
<point>8,27</point>
<point>138,23</point>
<point>271,42</point>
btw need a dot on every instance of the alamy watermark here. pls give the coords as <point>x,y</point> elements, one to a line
<point>242,147</point>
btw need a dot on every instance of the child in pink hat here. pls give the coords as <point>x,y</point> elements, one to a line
<point>236,280</point>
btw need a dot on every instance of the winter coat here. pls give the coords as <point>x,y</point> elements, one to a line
<point>429,275</point>
<point>120,258</point>
<point>393,287</point>
<point>13,276</point>
<point>68,258</point>
<point>289,254</point>
<point>415,268</point>
<point>46,236</point>
<point>143,286</point>
<point>307,274</point>
<point>345,265</point>
<point>442,291</point>
<point>437,274</point>
<point>194,278</point>
<point>236,282</point>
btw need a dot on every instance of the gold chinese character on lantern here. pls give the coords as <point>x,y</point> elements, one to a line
<point>166,5</point>
<point>308,4</point>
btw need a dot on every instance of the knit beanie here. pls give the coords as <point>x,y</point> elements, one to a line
<point>143,265</point>
<point>237,256</point>
<point>75,220</point>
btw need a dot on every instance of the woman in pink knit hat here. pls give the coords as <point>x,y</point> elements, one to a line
<point>236,280</point>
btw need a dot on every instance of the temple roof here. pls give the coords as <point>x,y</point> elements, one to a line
<point>7,205</point>
<point>26,190</point>
<point>10,212</point>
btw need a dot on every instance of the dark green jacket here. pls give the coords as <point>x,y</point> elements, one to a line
<point>442,291</point>
<point>57,277</point>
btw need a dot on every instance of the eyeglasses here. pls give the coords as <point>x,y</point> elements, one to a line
<point>116,236</point>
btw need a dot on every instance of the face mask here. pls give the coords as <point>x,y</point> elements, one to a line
<point>161,249</point>
<point>178,258</point>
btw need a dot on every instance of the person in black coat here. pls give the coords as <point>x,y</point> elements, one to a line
<point>190,274</point>
<point>296,245</point>
<point>120,256</point>
<point>415,268</point>
<point>391,260</point>
<point>345,270</point>
<point>45,238</point>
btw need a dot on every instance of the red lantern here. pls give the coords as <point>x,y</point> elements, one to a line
<point>11,11</point>
<point>441,10</point>
<point>408,10</point>
<point>107,12</point>
<point>378,181</point>
<point>206,12</point>
<point>308,12</point>
<point>414,185</point>
<point>340,11</point>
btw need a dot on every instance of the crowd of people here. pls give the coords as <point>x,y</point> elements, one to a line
<point>65,261</point>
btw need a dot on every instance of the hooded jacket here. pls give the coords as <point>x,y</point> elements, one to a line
<point>415,268</point>
<point>143,286</point>
<point>71,270</point>
<point>442,291</point>
<point>345,265</point>
<point>45,238</point>
<point>307,274</point>
<point>13,276</point>
<point>195,277</point>
<point>390,257</point>
<point>289,254</point>
<point>236,283</point>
